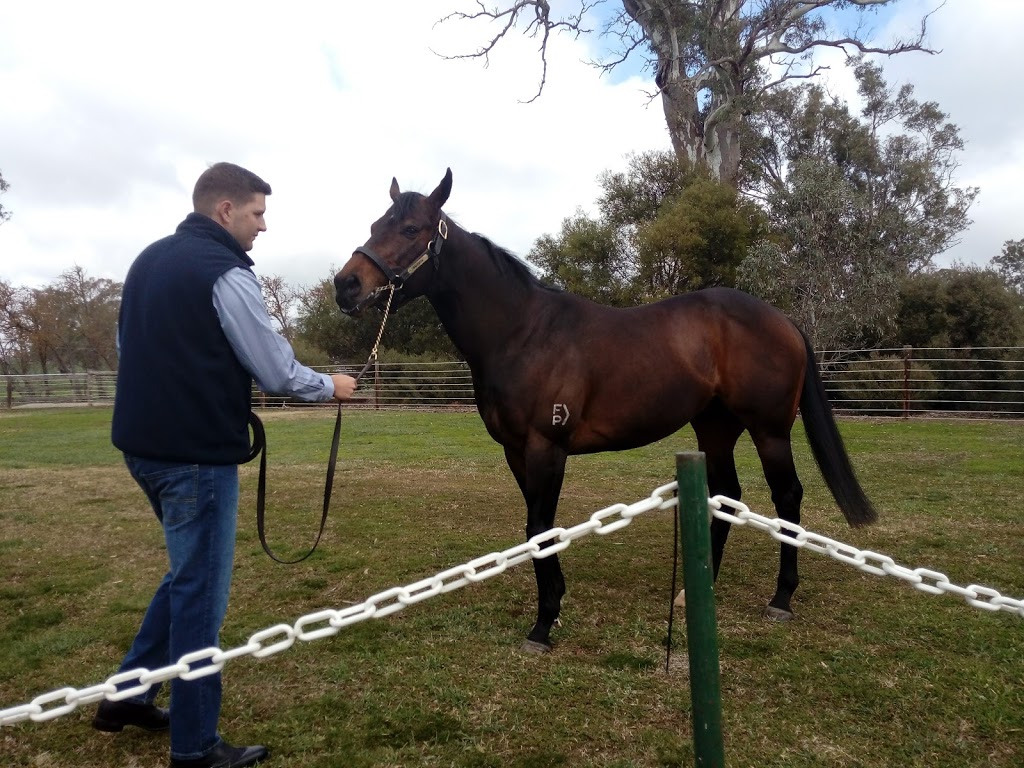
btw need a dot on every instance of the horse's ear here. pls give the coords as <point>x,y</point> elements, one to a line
<point>395,191</point>
<point>440,195</point>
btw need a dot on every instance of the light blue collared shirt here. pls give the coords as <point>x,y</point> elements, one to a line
<point>262,351</point>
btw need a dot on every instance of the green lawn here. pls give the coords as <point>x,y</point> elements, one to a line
<point>872,672</point>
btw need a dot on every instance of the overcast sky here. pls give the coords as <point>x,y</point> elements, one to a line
<point>111,110</point>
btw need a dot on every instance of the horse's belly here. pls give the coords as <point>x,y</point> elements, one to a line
<point>611,431</point>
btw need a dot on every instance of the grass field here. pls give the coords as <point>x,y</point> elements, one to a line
<point>872,672</point>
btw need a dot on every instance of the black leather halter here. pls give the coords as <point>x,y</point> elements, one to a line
<point>398,279</point>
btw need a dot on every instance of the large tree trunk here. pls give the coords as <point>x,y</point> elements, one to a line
<point>699,88</point>
<point>714,145</point>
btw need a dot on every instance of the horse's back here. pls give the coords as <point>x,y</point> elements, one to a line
<point>711,331</point>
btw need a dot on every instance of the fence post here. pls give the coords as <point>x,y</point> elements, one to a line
<point>907,354</point>
<point>10,393</point>
<point>701,627</point>
<point>376,384</point>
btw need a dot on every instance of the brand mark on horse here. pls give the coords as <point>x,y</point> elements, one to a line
<point>559,414</point>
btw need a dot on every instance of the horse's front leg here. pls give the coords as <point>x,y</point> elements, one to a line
<point>539,471</point>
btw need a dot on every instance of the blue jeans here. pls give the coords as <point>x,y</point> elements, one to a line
<point>198,508</point>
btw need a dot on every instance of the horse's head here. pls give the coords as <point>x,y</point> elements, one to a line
<point>410,234</point>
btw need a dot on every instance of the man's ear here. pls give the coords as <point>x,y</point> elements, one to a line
<point>222,212</point>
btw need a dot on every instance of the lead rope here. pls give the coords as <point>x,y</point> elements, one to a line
<point>259,448</point>
<point>380,333</point>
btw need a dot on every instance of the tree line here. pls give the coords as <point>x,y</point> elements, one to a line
<point>70,325</point>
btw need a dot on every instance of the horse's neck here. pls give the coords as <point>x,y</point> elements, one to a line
<point>482,310</point>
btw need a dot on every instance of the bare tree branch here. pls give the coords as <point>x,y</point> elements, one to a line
<point>842,43</point>
<point>789,75</point>
<point>540,24</point>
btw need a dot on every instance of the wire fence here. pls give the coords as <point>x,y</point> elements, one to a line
<point>979,382</point>
<point>902,382</point>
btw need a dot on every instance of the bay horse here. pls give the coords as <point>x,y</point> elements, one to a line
<point>555,375</point>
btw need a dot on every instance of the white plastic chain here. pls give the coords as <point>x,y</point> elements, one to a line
<point>329,622</point>
<point>314,626</point>
<point>932,582</point>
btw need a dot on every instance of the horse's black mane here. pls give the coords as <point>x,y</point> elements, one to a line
<point>509,264</point>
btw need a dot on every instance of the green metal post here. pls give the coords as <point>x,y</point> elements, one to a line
<point>701,627</point>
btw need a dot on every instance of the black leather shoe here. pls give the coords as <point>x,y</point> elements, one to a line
<point>113,716</point>
<point>226,756</point>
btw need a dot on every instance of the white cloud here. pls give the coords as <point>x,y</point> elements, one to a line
<point>111,110</point>
<point>975,79</point>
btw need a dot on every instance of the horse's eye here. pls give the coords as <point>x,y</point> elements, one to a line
<point>410,231</point>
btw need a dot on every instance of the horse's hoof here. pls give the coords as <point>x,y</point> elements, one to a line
<point>778,614</point>
<point>532,646</point>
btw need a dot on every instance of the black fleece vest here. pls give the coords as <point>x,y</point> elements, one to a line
<point>181,393</point>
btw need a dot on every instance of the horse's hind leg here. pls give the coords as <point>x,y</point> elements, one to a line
<point>776,454</point>
<point>717,431</point>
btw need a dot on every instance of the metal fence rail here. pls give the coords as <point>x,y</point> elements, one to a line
<point>907,382</point>
<point>55,389</point>
<point>980,382</point>
<point>401,385</point>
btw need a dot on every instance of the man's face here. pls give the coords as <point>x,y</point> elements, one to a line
<point>245,221</point>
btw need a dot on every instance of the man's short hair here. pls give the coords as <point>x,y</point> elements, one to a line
<point>226,181</point>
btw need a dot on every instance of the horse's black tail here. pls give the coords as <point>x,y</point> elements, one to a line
<point>828,449</point>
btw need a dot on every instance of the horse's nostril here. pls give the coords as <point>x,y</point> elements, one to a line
<point>346,286</point>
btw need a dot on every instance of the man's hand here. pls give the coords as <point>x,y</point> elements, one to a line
<point>344,386</point>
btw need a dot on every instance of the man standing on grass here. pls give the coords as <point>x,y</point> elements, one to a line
<point>193,334</point>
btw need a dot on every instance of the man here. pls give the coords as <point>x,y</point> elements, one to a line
<point>193,334</point>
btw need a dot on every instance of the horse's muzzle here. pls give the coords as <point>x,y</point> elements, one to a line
<point>346,294</point>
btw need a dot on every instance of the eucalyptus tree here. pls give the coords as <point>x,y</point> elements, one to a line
<point>899,156</point>
<point>712,61</point>
<point>857,202</point>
